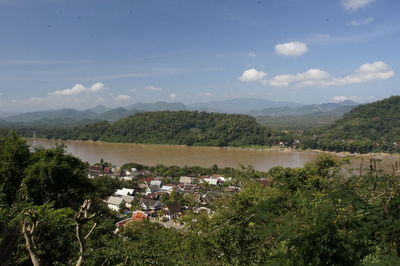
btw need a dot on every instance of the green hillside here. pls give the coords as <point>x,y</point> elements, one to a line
<point>369,127</point>
<point>174,127</point>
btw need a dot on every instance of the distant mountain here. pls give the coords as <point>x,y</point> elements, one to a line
<point>240,105</point>
<point>61,114</point>
<point>4,123</point>
<point>116,114</point>
<point>335,109</point>
<point>158,106</point>
<point>99,109</point>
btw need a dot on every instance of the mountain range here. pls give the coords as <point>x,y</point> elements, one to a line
<point>255,107</point>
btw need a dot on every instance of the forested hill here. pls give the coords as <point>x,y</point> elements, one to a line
<point>376,126</point>
<point>174,127</point>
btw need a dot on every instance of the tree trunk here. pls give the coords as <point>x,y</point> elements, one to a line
<point>29,245</point>
<point>81,218</point>
<point>81,242</point>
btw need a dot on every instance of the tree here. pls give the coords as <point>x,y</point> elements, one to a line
<point>56,176</point>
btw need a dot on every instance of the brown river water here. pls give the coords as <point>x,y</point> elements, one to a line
<point>263,160</point>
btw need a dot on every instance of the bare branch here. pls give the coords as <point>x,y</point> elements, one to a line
<point>91,230</point>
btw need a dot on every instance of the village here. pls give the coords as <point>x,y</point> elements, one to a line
<point>163,199</point>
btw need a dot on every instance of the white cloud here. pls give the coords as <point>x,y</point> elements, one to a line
<point>122,97</point>
<point>359,99</point>
<point>133,90</point>
<point>252,74</point>
<point>152,88</point>
<point>368,72</point>
<point>251,54</point>
<point>319,78</point>
<point>206,94</point>
<point>361,21</point>
<point>312,77</point>
<point>353,5</point>
<point>79,89</point>
<point>291,48</point>
<point>172,96</point>
<point>340,98</point>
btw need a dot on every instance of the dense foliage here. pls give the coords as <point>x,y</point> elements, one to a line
<point>169,127</point>
<point>369,127</point>
<point>315,215</point>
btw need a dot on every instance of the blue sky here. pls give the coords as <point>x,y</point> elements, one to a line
<point>67,53</point>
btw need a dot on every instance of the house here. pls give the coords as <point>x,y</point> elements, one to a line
<point>201,209</point>
<point>95,171</point>
<point>211,181</point>
<point>186,180</point>
<point>167,188</point>
<point>152,189</point>
<point>124,192</point>
<point>139,216</point>
<point>173,210</point>
<point>128,200</point>
<point>155,183</point>
<point>130,172</point>
<point>136,216</point>
<point>114,202</point>
<point>150,204</point>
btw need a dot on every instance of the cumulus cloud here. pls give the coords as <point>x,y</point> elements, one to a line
<point>368,72</point>
<point>206,94</point>
<point>312,77</point>
<point>353,5</point>
<point>291,48</point>
<point>152,88</point>
<point>251,75</point>
<point>251,54</point>
<point>172,96</point>
<point>319,78</point>
<point>79,89</point>
<point>122,97</point>
<point>360,21</point>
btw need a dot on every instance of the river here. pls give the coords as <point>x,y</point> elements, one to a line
<point>263,160</point>
<point>120,153</point>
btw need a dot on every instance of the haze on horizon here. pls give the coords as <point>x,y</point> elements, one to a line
<point>79,54</point>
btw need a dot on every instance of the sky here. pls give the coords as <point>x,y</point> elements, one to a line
<point>81,53</point>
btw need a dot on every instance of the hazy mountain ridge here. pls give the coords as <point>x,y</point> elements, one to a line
<point>336,109</point>
<point>242,106</point>
<point>158,106</point>
<point>65,113</point>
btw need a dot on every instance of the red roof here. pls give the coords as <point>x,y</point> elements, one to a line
<point>139,216</point>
